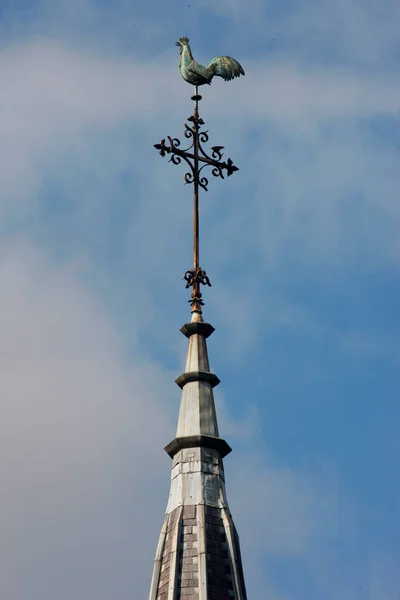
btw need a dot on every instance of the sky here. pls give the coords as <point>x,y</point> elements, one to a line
<point>301,246</point>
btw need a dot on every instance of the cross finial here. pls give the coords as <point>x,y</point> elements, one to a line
<point>197,159</point>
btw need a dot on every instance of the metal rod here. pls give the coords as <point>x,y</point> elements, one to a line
<point>196,186</point>
<point>196,287</point>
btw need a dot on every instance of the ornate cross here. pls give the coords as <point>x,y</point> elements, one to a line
<point>197,159</point>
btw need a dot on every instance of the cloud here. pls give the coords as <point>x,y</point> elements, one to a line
<point>303,96</point>
<point>314,32</point>
<point>80,426</point>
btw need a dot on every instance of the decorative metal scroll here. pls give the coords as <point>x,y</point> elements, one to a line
<point>198,138</point>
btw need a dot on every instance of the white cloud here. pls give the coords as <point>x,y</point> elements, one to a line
<point>317,31</point>
<point>82,430</point>
<point>301,97</point>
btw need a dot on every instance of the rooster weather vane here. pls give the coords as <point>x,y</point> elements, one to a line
<point>194,156</point>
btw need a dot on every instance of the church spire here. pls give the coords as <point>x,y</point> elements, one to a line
<point>198,553</point>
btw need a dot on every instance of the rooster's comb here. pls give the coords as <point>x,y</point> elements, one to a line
<point>183,41</point>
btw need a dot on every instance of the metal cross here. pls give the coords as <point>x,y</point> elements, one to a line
<point>197,159</point>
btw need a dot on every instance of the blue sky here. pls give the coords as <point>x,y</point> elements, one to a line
<point>302,249</point>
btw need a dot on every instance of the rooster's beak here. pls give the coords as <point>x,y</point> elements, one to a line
<point>177,43</point>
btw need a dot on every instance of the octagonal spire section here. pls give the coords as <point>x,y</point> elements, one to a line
<point>197,422</point>
<point>197,414</point>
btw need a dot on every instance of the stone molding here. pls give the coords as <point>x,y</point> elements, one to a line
<point>198,441</point>
<point>199,327</point>
<point>197,376</point>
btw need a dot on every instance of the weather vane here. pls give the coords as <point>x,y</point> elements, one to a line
<point>197,159</point>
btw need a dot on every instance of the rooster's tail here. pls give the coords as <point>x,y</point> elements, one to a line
<point>226,67</point>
